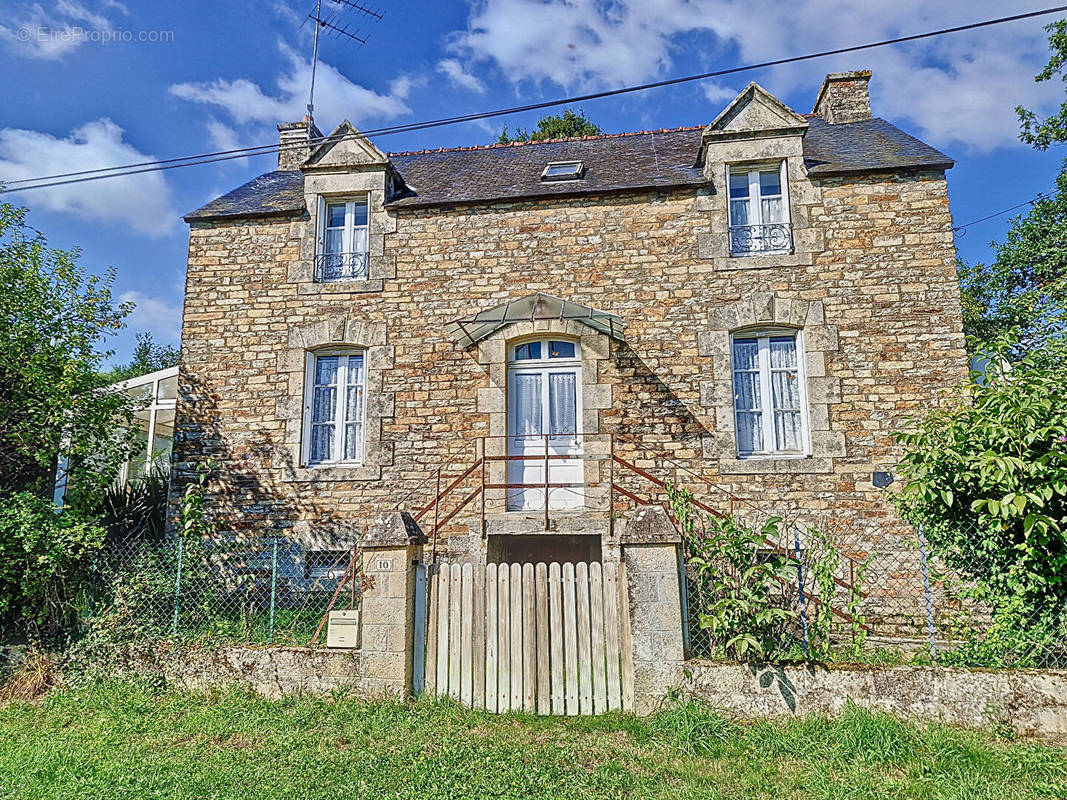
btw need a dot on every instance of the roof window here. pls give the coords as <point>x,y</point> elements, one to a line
<point>563,171</point>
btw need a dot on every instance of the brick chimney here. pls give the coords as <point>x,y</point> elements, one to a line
<point>844,98</point>
<point>295,143</point>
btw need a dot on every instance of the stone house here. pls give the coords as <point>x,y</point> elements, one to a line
<point>755,305</point>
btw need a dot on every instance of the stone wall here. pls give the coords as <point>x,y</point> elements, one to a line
<point>1030,702</point>
<point>270,671</point>
<point>882,278</point>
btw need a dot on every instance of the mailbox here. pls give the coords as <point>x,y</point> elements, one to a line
<point>343,629</point>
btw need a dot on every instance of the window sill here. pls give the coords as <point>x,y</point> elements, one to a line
<point>759,253</point>
<point>359,286</point>
<point>775,465</point>
<point>332,472</point>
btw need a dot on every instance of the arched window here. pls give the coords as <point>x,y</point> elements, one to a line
<point>334,407</point>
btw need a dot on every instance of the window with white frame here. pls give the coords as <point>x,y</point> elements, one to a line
<point>759,210</point>
<point>344,239</point>
<point>769,394</point>
<point>335,408</point>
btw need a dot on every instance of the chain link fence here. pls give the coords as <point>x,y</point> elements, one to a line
<point>239,590</point>
<point>849,592</point>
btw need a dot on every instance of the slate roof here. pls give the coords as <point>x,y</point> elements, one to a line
<point>613,163</point>
<point>868,146</point>
<point>275,194</point>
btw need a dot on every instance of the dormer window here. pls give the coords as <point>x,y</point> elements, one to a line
<point>563,171</point>
<point>343,251</point>
<point>759,210</point>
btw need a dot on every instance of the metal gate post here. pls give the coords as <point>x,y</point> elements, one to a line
<point>800,596</point>
<point>177,586</point>
<point>929,598</point>
<point>418,649</point>
<point>273,587</point>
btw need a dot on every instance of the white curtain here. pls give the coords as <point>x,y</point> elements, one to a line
<point>323,408</point>
<point>772,210</point>
<point>354,410</point>
<point>739,198</point>
<point>747,407</point>
<point>562,403</point>
<point>527,405</point>
<point>770,188</point>
<point>785,392</point>
<point>359,240</point>
<point>335,240</point>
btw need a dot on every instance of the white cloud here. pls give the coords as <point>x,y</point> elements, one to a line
<point>144,201</point>
<point>336,97</point>
<point>959,89</point>
<point>161,317</point>
<point>224,137</point>
<point>459,77</point>
<point>52,34</point>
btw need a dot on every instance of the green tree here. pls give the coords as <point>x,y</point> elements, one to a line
<point>147,357</point>
<point>554,126</point>
<point>1025,286</point>
<point>1042,132</point>
<point>54,319</point>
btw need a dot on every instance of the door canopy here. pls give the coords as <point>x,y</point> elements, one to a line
<point>471,330</point>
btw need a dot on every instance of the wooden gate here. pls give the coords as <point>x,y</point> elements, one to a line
<point>545,639</point>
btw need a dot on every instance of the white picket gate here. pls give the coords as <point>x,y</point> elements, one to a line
<point>545,638</point>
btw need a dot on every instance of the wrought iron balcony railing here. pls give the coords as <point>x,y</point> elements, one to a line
<point>747,240</point>
<point>341,266</point>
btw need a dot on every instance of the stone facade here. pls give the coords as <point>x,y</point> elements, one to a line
<point>871,284</point>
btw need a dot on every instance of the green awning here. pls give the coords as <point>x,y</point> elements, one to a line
<point>470,330</point>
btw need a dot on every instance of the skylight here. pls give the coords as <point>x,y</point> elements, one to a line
<point>563,171</point>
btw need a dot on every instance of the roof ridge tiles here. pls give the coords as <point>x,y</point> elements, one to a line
<point>501,145</point>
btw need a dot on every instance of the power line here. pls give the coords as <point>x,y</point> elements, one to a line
<point>962,229</point>
<point>244,152</point>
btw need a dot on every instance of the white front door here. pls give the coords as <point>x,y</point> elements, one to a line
<point>544,419</point>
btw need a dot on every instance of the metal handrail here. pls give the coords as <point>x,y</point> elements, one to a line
<point>482,459</point>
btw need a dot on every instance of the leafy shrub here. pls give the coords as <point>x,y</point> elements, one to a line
<point>44,560</point>
<point>985,477</point>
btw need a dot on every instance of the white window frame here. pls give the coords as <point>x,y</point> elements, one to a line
<point>337,458</point>
<point>575,171</point>
<point>544,366</point>
<point>348,238</point>
<point>544,359</point>
<point>755,206</point>
<point>763,337</point>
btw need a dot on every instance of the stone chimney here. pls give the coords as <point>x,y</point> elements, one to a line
<point>844,98</point>
<point>295,140</point>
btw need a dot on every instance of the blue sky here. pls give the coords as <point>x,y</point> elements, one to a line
<point>215,75</point>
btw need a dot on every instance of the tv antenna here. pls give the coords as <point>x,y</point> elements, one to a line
<point>334,23</point>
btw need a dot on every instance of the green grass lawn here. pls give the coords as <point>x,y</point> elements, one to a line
<point>122,740</point>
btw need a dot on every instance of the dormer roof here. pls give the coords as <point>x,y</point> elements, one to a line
<point>755,111</point>
<point>345,147</point>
